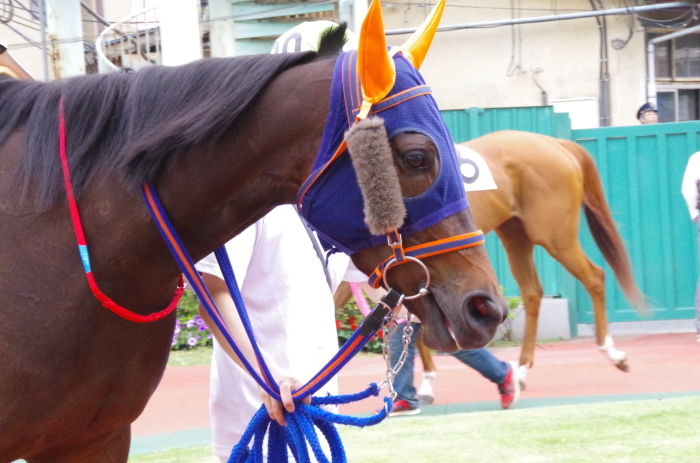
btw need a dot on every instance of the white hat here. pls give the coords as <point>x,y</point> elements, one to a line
<point>305,37</point>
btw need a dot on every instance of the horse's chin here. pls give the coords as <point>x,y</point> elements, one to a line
<point>443,334</point>
<point>435,332</point>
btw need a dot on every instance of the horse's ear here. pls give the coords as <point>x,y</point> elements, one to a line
<point>374,67</point>
<point>417,45</point>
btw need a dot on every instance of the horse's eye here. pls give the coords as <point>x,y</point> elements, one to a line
<point>414,159</point>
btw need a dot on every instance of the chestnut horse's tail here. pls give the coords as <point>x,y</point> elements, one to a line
<point>603,229</point>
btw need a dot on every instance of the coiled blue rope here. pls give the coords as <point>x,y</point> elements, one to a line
<point>300,433</point>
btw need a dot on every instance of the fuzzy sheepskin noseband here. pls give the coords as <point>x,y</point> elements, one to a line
<point>371,157</point>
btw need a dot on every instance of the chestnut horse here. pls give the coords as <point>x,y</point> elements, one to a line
<point>224,141</point>
<point>542,184</point>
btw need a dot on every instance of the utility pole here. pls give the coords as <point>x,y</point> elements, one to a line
<point>44,51</point>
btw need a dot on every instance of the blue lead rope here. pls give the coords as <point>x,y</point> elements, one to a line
<point>300,433</point>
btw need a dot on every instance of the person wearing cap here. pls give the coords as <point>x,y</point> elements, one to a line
<point>690,189</point>
<point>647,114</point>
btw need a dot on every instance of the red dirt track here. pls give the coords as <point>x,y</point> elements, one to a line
<point>658,363</point>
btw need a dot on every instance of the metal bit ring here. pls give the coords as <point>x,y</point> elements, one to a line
<point>423,290</point>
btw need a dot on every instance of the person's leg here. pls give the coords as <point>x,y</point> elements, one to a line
<point>403,382</point>
<point>483,361</point>
<point>496,371</point>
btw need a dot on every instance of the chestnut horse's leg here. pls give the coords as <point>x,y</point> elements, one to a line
<point>592,278</point>
<point>112,448</point>
<point>522,265</point>
<point>425,392</point>
<point>425,357</point>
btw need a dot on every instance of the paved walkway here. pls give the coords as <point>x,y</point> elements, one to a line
<point>661,366</point>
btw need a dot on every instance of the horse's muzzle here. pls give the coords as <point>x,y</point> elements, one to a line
<point>482,314</point>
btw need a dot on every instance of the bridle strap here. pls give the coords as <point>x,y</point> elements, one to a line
<point>352,346</point>
<point>83,248</point>
<point>396,244</point>
<point>420,251</point>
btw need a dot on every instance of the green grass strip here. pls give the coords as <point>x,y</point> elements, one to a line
<point>648,431</point>
<point>201,454</point>
<point>644,431</point>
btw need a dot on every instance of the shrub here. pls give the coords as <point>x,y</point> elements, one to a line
<point>506,328</point>
<point>347,321</point>
<point>190,329</point>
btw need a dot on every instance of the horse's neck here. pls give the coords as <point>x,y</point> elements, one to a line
<point>216,193</point>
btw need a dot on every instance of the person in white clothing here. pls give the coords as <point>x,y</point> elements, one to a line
<point>291,309</point>
<point>288,297</point>
<point>690,188</point>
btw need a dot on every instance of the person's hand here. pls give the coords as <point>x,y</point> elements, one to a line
<point>275,408</point>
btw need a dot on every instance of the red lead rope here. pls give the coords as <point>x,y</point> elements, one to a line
<point>83,249</point>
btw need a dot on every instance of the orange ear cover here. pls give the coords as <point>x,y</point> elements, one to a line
<point>374,67</point>
<point>417,45</point>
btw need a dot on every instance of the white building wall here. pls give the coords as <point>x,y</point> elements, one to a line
<point>469,67</point>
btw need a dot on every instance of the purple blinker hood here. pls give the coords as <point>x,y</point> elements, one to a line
<point>330,200</point>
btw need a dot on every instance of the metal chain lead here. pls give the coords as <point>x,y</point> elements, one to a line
<point>386,352</point>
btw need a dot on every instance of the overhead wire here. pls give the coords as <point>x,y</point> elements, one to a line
<point>8,12</point>
<point>689,16</point>
<point>452,4</point>
<point>9,6</point>
<point>25,23</point>
<point>629,18</point>
<point>24,8</point>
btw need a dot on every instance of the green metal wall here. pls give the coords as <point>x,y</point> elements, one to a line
<point>641,168</point>
<point>467,124</point>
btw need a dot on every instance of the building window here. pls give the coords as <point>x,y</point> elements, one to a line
<point>678,105</point>
<point>687,56</point>
<point>666,103</point>
<point>662,58</point>
<point>678,58</point>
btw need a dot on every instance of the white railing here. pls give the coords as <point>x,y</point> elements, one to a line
<point>133,42</point>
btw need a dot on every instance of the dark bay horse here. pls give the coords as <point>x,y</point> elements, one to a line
<point>224,141</point>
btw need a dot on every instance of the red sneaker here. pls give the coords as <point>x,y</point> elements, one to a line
<point>403,408</point>
<point>510,387</point>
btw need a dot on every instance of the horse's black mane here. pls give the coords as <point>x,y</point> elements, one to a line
<point>134,123</point>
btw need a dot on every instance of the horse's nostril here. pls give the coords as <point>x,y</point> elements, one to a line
<point>480,305</point>
<point>482,309</point>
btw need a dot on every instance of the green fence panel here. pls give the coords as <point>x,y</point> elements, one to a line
<point>641,168</point>
<point>467,124</point>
